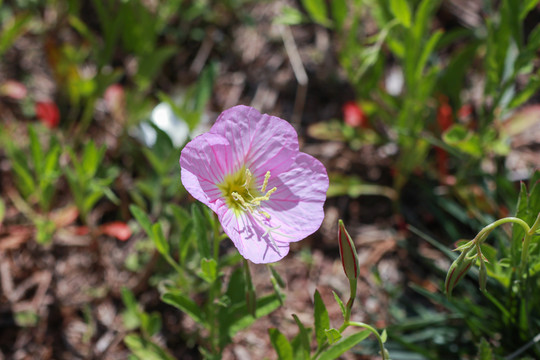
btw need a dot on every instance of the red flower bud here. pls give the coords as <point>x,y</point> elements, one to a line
<point>48,113</point>
<point>118,229</point>
<point>354,115</point>
<point>444,114</point>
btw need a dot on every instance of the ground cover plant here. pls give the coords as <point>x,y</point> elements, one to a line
<point>194,179</point>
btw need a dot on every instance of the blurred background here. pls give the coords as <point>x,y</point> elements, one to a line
<point>425,113</point>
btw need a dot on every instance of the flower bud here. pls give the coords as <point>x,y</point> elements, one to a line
<point>353,115</point>
<point>458,268</point>
<point>48,113</point>
<point>347,251</point>
<point>13,89</point>
<point>482,274</point>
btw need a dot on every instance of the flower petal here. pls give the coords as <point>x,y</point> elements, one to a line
<point>204,163</point>
<point>261,142</point>
<point>296,208</point>
<point>251,240</point>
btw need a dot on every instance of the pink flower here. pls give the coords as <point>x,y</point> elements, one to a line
<point>249,171</point>
<point>13,89</point>
<point>115,99</point>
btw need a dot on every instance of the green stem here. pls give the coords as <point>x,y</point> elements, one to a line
<point>352,283</point>
<point>374,332</point>
<point>217,238</point>
<point>486,230</point>
<point>174,264</point>
<point>529,232</point>
<point>215,288</point>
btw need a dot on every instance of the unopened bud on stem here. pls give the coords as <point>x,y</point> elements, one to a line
<point>347,250</point>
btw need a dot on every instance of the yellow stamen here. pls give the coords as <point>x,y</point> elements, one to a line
<point>265,183</point>
<point>258,199</point>
<point>241,194</point>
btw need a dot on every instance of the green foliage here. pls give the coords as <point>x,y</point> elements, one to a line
<point>344,345</point>
<point>36,174</point>
<point>87,184</point>
<point>322,321</point>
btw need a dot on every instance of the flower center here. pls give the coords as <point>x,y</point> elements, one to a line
<point>241,193</point>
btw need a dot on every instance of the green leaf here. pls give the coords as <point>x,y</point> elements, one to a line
<point>237,317</point>
<point>339,12</point>
<point>150,64</point>
<point>289,16</point>
<point>188,306</point>
<point>333,336</point>
<point>145,349</point>
<point>142,219</point>
<point>45,230</point>
<point>91,159</point>
<point>343,345</point>
<point>530,89</point>
<point>426,52</point>
<point>12,30</point>
<point>50,164</point>
<point>304,336</point>
<point>340,303</point>
<point>159,239</point>
<point>131,315</point>
<point>25,181</point>
<point>281,344</point>
<point>209,270</point>
<point>203,92</point>
<point>322,321</point>
<point>129,299</point>
<point>90,200</point>
<point>151,323</point>
<point>526,7</point>
<point>484,351</point>
<point>276,276</point>
<point>384,336</point>
<point>422,17</point>
<point>2,211</point>
<point>463,139</point>
<point>401,10</point>
<point>36,151</point>
<point>200,232</point>
<point>181,215</point>
<point>317,11</point>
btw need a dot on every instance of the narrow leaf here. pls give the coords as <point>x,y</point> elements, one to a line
<point>159,239</point>
<point>340,303</point>
<point>200,232</point>
<point>281,344</point>
<point>317,10</point>
<point>188,306</point>
<point>142,219</point>
<point>322,321</point>
<point>209,270</point>
<point>36,151</point>
<point>343,345</point>
<point>304,336</point>
<point>401,10</point>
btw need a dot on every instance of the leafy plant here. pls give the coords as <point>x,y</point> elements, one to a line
<point>86,182</point>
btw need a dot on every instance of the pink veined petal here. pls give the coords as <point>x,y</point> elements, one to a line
<point>261,142</point>
<point>251,239</point>
<point>204,163</point>
<point>296,208</point>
